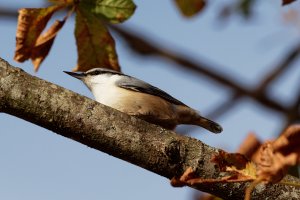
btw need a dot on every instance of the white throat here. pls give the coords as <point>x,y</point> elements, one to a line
<point>104,88</point>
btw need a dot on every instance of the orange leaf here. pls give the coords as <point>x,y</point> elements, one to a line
<point>288,141</point>
<point>236,163</point>
<point>182,181</point>
<point>270,165</point>
<point>95,45</point>
<point>31,22</point>
<point>276,157</point>
<point>44,43</point>
<point>237,167</point>
<point>250,146</point>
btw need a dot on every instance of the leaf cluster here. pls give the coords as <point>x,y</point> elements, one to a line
<point>95,44</point>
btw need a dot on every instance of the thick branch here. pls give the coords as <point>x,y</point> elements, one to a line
<point>125,137</point>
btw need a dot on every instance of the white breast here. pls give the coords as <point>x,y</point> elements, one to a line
<point>106,92</point>
<point>104,89</point>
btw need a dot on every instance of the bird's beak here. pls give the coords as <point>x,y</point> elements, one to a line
<point>78,75</point>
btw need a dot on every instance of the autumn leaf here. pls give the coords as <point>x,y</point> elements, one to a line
<point>44,43</point>
<point>288,141</point>
<point>31,22</point>
<point>275,157</point>
<point>285,2</point>
<point>273,160</point>
<point>235,162</point>
<point>237,167</point>
<point>190,8</point>
<point>114,11</point>
<point>95,45</point>
<point>250,146</point>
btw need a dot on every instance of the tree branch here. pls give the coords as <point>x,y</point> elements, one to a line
<point>8,13</point>
<point>284,65</point>
<point>125,137</point>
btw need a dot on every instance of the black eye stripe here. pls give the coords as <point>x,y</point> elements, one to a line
<point>103,71</point>
<point>95,72</point>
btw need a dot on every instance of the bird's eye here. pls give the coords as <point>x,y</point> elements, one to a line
<point>94,73</point>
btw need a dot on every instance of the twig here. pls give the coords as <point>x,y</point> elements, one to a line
<point>144,47</point>
<point>285,64</point>
<point>225,107</point>
<point>147,48</point>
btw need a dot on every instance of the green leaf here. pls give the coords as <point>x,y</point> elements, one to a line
<point>114,11</point>
<point>190,7</point>
<point>95,45</point>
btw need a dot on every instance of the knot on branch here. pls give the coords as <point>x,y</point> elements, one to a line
<point>175,152</point>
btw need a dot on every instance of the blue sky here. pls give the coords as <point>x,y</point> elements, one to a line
<point>37,164</point>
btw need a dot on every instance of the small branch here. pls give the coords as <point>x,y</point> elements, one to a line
<point>224,107</point>
<point>8,13</point>
<point>285,64</point>
<point>147,48</point>
<point>293,114</point>
<point>296,106</point>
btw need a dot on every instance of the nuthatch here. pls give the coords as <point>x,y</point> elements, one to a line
<point>138,98</point>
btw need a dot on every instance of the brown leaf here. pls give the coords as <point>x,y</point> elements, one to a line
<point>31,22</point>
<point>182,181</point>
<point>225,160</point>
<point>190,7</point>
<point>250,147</point>
<point>270,165</point>
<point>44,43</point>
<point>96,47</point>
<point>288,141</point>
<point>285,2</point>
<point>235,163</point>
<point>276,157</point>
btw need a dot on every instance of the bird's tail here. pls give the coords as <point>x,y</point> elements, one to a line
<point>187,115</point>
<point>209,125</point>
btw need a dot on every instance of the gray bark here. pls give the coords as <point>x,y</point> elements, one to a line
<point>100,127</point>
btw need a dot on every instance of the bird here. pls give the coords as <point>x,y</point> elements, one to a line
<point>140,99</point>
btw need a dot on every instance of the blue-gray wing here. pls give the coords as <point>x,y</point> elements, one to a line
<point>134,84</point>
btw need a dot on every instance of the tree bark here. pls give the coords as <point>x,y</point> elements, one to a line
<point>128,138</point>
